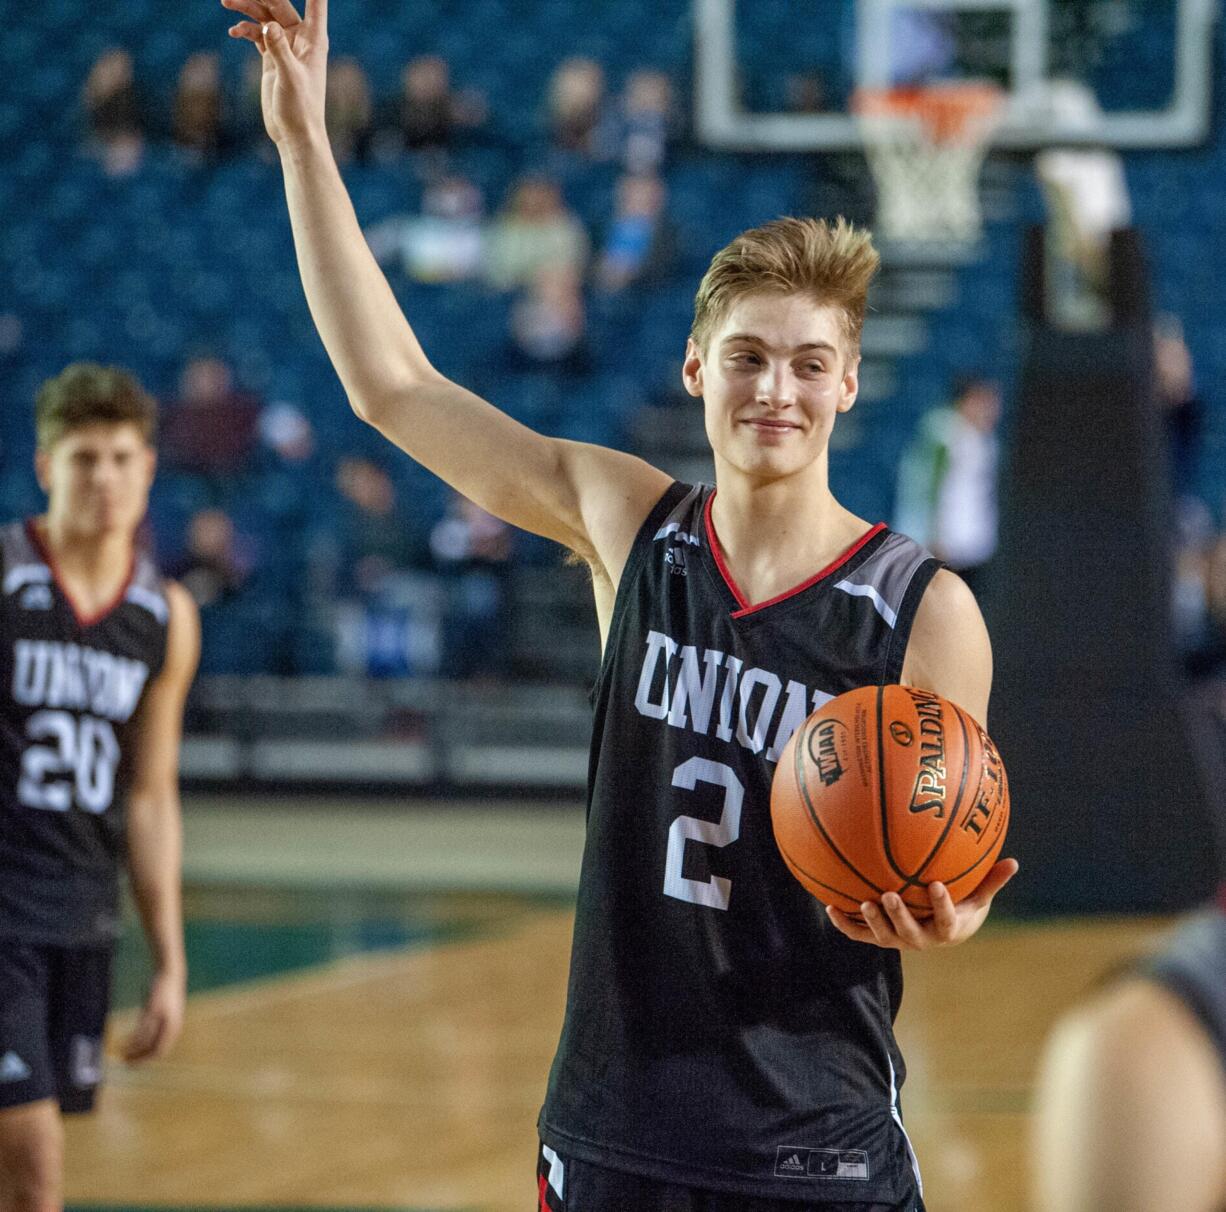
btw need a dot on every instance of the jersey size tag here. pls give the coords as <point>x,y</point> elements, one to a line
<point>794,1162</point>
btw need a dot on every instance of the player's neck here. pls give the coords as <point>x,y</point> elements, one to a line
<point>93,565</point>
<point>774,535</point>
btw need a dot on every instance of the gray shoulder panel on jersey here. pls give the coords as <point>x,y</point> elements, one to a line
<point>883,578</point>
<point>23,563</point>
<point>1192,965</point>
<point>685,520</point>
<point>147,589</point>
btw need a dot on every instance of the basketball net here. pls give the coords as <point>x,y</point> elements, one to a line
<point>925,146</point>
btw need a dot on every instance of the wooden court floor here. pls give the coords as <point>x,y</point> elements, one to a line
<point>409,1076</point>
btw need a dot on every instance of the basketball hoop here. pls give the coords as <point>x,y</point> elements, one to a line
<point>925,146</point>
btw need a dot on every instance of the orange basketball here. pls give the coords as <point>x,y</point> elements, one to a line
<point>886,789</point>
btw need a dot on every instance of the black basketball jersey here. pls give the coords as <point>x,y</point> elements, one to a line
<point>720,1033</point>
<point>69,690</point>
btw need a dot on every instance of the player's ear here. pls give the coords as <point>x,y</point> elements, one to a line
<point>849,387</point>
<point>691,368</point>
<point>42,469</point>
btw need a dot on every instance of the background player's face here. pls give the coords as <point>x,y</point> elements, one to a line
<point>97,479</point>
<point>772,378</point>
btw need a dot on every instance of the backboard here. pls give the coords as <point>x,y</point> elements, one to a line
<point>781,74</point>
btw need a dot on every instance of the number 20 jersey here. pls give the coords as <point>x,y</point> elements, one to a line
<point>70,688</point>
<point>720,1033</point>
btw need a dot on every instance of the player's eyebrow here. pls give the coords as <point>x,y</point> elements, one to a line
<point>749,337</point>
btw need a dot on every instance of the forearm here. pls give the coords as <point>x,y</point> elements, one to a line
<point>363,329</point>
<point>155,861</point>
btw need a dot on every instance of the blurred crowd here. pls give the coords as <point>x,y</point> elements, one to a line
<point>411,599</point>
<point>435,597</point>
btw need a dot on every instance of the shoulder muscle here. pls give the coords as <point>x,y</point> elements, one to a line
<point>949,651</point>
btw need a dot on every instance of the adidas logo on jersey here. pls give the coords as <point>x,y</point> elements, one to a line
<point>793,1163</point>
<point>13,1068</point>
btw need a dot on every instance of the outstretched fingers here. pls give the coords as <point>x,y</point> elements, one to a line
<point>316,16</point>
<point>249,31</point>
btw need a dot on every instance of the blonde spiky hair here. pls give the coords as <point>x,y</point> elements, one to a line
<point>833,263</point>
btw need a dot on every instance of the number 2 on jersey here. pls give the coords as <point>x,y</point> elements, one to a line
<point>81,759</point>
<point>715,891</point>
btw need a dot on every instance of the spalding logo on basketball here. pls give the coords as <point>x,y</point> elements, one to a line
<point>885,789</point>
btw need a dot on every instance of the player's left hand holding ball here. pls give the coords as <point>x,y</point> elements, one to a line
<point>892,924</point>
<point>295,56</point>
<point>160,1021</point>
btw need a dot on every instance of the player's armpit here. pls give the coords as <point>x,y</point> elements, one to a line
<point>588,498</point>
<point>949,651</point>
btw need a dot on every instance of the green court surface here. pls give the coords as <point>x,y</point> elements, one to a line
<point>241,934</point>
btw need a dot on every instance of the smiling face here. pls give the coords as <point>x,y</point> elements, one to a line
<point>773,376</point>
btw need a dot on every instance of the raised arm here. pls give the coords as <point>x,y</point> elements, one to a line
<point>588,498</point>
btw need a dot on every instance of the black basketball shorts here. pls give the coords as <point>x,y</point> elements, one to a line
<point>574,1186</point>
<point>53,1007</point>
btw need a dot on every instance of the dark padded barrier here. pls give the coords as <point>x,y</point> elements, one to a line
<point>1089,710</point>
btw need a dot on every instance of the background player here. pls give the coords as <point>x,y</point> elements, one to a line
<point>704,1050</point>
<point>96,656</point>
<point>1131,1102</point>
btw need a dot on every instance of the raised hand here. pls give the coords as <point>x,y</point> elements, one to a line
<point>295,56</point>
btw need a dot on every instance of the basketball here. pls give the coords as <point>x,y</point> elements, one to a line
<point>887,789</point>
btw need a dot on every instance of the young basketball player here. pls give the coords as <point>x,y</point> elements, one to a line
<point>1130,1112</point>
<point>727,1046</point>
<point>96,655</point>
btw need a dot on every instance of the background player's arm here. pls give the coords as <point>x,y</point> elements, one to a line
<point>155,832</point>
<point>590,499</point>
<point>949,653</point>
<point>1130,1109</point>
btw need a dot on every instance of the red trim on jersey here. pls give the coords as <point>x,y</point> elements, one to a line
<point>83,620</point>
<point>746,607</point>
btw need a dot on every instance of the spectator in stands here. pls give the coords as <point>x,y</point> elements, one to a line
<point>375,536</point>
<point>431,115</point>
<point>218,561</point>
<point>388,616</point>
<point>534,231</point>
<point>1200,603</point>
<point>196,124</point>
<point>445,243</point>
<point>210,427</point>
<point>549,323</point>
<point>472,550</point>
<point>638,246</point>
<point>287,433</point>
<point>1181,407</point>
<point>114,113</point>
<point>649,121</point>
<point>947,480</point>
<point>348,110</point>
<point>578,117</point>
